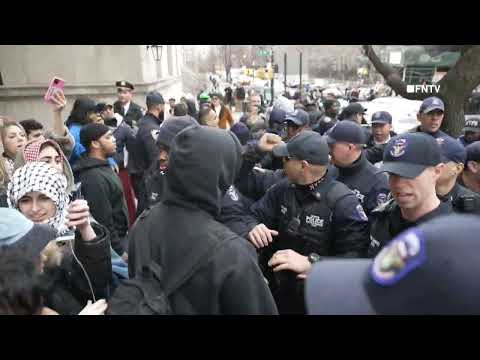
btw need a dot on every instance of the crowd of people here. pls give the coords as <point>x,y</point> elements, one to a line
<point>221,204</point>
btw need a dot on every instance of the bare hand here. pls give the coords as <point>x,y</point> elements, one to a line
<point>261,236</point>
<point>58,100</point>
<point>97,308</point>
<point>268,141</point>
<point>125,257</point>
<point>79,216</point>
<point>290,260</point>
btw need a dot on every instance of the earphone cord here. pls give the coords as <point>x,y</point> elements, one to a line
<point>84,271</point>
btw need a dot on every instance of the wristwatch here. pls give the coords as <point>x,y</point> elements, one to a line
<point>313,258</point>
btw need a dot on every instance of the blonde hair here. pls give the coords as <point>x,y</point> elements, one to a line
<point>7,121</point>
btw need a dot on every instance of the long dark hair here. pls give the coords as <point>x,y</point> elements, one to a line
<point>82,107</point>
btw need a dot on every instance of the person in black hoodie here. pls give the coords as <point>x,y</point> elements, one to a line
<point>234,213</point>
<point>101,187</point>
<point>183,231</point>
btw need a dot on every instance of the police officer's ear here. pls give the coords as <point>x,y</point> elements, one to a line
<point>473,167</point>
<point>459,168</point>
<point>438,169</point>
<point>305,164</point>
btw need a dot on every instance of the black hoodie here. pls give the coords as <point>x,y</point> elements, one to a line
<point>182,229</point>
<point>103,191</point>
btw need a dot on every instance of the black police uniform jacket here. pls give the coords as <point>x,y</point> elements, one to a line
<point>388,222</point>
<point>182,228</point>
<point>325,218</point>
<point>125,139</point>
<point>374,152</point>
<point>134,112</point>
<point>463,200</point>
<point>148,128</point>
<point>365,180</point>
<point>234,208</point>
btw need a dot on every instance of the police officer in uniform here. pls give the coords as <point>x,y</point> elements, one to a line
<point>332,109</point>
<point>471,131</point>
<point>381,135</point>
<point>413,161</point>
<point>471,174</point>
<point>304,217</point>
<point>124,106</point>
<point>454,156</point>
<point>430,116</point>
<point>346,142</point>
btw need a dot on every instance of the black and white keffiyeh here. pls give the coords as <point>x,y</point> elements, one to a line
<point>41,177</point>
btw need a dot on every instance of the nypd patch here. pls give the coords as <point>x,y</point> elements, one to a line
<point>361,213</point>
<point>401,256</point>
<point>398,148</point>
<point>381,198</point>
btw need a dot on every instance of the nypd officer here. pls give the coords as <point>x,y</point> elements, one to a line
<point>471,131</point>
<point>381,134</point>
<point>124,106</point>
<point>354,170</point>
<point>414,163</point>
<point>454,156</point>
<point>304,217</point>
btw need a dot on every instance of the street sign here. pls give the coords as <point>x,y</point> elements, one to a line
<point>264,53</point>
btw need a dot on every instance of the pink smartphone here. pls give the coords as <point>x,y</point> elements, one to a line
<point>55,84</point>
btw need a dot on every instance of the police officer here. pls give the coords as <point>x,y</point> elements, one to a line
<point>124,106</point>
<point>381,135</point>
<point>428,270</point>
<point>414,163</point>
<point>346,142</point>
<point>454,156</point>
<point>296,122</point>
<point>305,217</point>
<point>471,174</point>
<point>430,116</point>
<point>332,109</point>
<point>471,131</point>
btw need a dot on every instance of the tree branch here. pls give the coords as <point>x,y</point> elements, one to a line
<point>390,75</point>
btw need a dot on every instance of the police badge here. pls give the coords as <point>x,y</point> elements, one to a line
<point>399,147</point>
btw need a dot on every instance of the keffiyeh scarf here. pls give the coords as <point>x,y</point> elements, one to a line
<point>45,179</point>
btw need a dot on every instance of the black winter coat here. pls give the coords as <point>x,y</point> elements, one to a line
<point>182,229</point>
<point>145,141</point>
<point>103,191</point>
<point>134,112</point>
<point>66,289</point>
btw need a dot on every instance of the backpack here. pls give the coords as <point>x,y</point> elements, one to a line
<point>146,293</point>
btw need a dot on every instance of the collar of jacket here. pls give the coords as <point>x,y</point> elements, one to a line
<point>153,117</point>
<point>451,194</point>
<point>436,134</point>
<point>355,168</point>
<point>314,188</point>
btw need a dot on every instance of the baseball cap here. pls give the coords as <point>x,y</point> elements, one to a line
<point>429,269</point>
<point>472,124</point>
<point>92,132</point>
<point>125,84</point>
<point>408,155</point>
<point>154,98</point>
<point>473,152</point>
<point>277,116</point>
<point>307,145</point>
<point>18,231</point>
<point>430,104</point>
<point>347,131</point>
<point>451,150</point>
<point>298,117</point>
<point>354,108</point>
<point>204,97</point>
<point>381,117</point>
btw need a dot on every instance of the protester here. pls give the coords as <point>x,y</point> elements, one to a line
<point>101,187</point>
<point>82,108</point>
<point>38,191</point>
<point>223,113</point>
<point>191,238</point>
<point>303,218</point>
<point>171,103</point>
<point>296,122</point>
<point>49,152</point>
<point>13,140</point>
<point>346,141</point>
<point>124,106</point>
<point>454,156</point>
<point>60,134</point>
<point>399,280</point>
<point>414,164</point>
<point>471,174</point>
<point>207,117</point>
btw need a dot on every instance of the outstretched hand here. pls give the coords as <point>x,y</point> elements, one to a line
<point>58,100</point>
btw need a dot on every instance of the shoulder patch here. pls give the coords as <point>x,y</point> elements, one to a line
<point>381,198</point>
<point>401,256</point>
<point>232,193</point>
<point>361,213</point>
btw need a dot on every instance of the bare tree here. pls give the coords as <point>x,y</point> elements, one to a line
<point>455,87</point>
